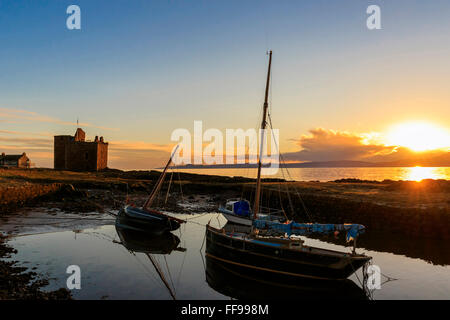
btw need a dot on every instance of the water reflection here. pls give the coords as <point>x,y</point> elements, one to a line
<point>433,251</point>
<point>331,174</point>
<point>231,281</point>
<point>164,244</point>
<point>124,270</point>
<point>137,241</point>
<point>421,173</point>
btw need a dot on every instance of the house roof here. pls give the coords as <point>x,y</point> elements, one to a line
<point>12,157</point>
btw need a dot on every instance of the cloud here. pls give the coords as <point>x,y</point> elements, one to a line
<point>28,142</point>
<point>43,134</point>
<point>30,116</point>
<point>330,145</point>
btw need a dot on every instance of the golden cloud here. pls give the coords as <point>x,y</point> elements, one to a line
<point>331,145</point>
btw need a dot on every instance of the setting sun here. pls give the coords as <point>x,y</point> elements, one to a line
<point>419,136</point>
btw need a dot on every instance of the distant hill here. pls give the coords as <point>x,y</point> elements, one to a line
<point>442,160</point>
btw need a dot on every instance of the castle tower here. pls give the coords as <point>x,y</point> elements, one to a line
<point>80,135</point>
<point>76,154</point>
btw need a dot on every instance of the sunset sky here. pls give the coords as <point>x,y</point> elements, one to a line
<point>137,70</point>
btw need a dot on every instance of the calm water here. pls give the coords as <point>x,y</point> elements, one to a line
<point>110,271</point>
<point>331,174</point>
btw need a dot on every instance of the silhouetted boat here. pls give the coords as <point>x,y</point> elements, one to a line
<point>280,257</point>
<point>236,282</point>
<point>146,219</point>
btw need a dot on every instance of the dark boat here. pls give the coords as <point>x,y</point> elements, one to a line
<point>283,259</point>
<point>233,281</point>
<point>146,219</point>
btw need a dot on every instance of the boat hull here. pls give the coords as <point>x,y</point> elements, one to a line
<point>139,220</point>
<point>280,263</point>
<point>237,219</point>
<point>246,220</point>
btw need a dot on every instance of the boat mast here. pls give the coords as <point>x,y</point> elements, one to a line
<point>263,127</point>
<point>159,183</point>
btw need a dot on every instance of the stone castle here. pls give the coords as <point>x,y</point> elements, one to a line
<point>76,154</point>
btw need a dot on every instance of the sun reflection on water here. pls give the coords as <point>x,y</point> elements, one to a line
<point>421,173</point>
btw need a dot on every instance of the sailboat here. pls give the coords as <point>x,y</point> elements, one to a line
<point>239,211</point>
<point>146,219</point>
<point>266,250</point>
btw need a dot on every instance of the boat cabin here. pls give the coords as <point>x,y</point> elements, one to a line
<point>238,207</point>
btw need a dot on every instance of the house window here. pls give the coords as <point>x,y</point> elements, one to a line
<point>86,156</point>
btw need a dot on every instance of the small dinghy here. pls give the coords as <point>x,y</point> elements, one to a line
<point>153,222</point>
<point>238,211</point>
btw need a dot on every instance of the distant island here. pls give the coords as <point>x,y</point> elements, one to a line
<point>438,161</point>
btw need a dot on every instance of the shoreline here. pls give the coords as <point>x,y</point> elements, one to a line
<point>407,207</point>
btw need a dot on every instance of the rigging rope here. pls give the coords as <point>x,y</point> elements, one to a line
<point>290,177</point>
<point>168,188</point>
